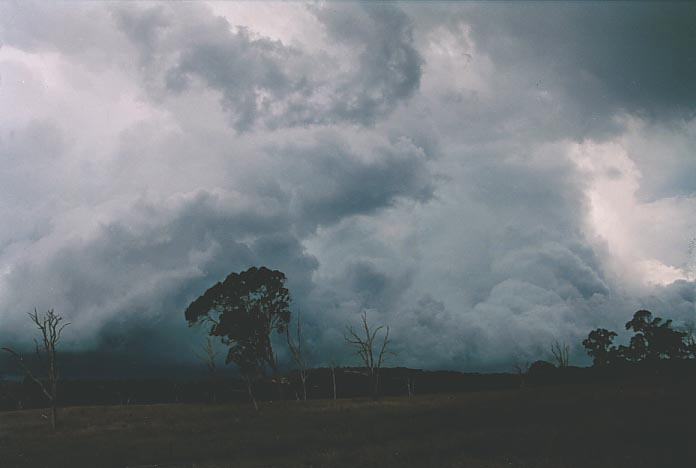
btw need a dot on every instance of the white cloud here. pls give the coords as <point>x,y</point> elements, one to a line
<point>646,240</point>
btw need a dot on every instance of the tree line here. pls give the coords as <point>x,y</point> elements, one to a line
<point>654,339</point>
<point>246,309</point>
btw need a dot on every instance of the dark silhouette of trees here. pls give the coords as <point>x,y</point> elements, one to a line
<point>371,353</point>
<point>49,324</point>
<point>654,339</point>
<point>243,311</point>
<point>636,351</point>
<point>599,346</point>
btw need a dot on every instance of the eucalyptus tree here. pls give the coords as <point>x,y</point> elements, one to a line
<point>243,311</point>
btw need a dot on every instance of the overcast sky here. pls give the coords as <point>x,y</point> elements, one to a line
<point>485,178</point>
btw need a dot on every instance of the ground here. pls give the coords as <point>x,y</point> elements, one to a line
<point>562,426</point>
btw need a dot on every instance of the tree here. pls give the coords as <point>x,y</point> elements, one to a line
<point>521,369</point>
<point>370,352</point>
<point>333,364</point>
<point>636,351</point>
<point>250,368</point>
<point>654,338</point>
<point>243,311</point>
<point>208,355</point>
<point>298,352</point>
<point>410,385</point>
<point>560,353</point>
<point>51,329</point>
<point>599,346</point>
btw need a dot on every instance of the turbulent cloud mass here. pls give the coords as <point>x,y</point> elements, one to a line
<point>485,178</point>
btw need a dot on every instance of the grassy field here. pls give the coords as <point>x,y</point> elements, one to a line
<point>565,426</point>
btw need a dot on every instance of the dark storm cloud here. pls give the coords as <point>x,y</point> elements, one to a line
<point>373,288</point>
<point>524,195</point>
<point>126,284</point>
<point>517,270</point>
<point>614,56</point>
<point>129,282</point>
<point>265,81</point>
<point>419,161</point>
<point>329,180</point>
<point>388,63</point>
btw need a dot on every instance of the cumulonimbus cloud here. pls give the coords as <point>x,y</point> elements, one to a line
<point>437,165</point>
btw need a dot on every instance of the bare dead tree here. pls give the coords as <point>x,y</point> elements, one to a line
<point>410,386</point>
<point>560,353</point>
<point>208,355</point>
<point>371,353</point>
<point>333,364</point>
<point>298,353</point>
<point>521,369</point>
<point>49,324</point>
<point>250,390</point>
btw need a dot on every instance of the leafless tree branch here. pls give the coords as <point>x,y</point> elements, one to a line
<point>49,324</point>
<point>364,344</point>
<point>298,353</point>
<point>560,353</point>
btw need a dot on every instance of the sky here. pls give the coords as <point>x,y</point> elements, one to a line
<point>486,179</point>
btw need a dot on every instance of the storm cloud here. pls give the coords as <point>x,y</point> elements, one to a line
<point>485,178</point>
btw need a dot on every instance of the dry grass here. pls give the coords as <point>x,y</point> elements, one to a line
<point>586,426</point>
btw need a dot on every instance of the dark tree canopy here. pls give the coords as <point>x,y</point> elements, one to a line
<point>599,346</point>
<point>244,310</point>
<point>654,338</point>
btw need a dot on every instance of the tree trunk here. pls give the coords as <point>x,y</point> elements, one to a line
<point>333,377</point>
<point>375,388</point>
<point>54,393</point>
<point>251,394</point>
<point>54,415</point>
<point>304,388</point>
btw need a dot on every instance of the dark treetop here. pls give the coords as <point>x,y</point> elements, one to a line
<point>243,310</point>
